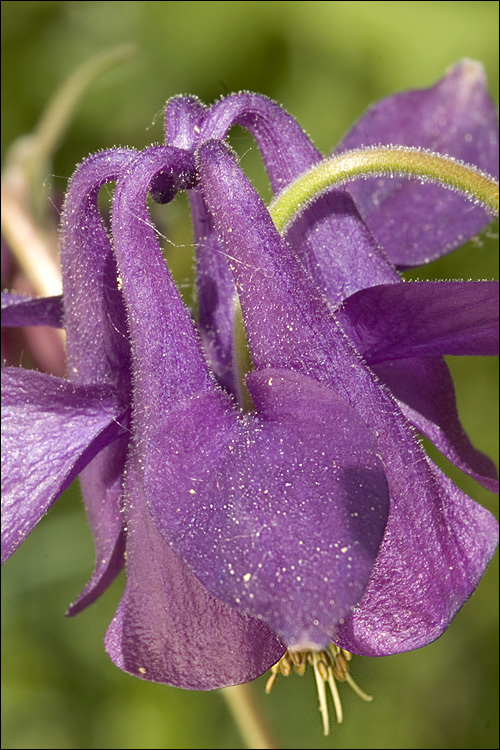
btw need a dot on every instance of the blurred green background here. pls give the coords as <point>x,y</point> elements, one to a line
<point>325,62</point>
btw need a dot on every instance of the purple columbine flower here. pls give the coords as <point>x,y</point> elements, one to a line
<point>316,517</point>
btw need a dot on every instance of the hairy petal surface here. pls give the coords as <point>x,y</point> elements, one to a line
<point>288,326</point>
<point>168,363</point>
<point>95,319</point>
<point>451,541</point>
<point>416,223</point>
<point>183,121</point>
<point>337,249</point>
<point>217,298</point>
<point>51,429</point>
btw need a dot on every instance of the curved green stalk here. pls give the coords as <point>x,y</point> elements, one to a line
<point>385,161</point>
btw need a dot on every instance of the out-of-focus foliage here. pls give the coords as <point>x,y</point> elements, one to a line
<point>325,62</point>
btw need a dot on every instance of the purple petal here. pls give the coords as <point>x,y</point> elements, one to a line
<point>288,326</point>
<point>265,269</point>
<point>337,249</point>
<point>431,560</point>
<point>163,413</point>
<point>168,628</point>
<point>424,389</point>
<point>286,150</point>
<point>168,362</point>
<point>279,514</point>
<point>397,321</point>
<point>18,310</point>
<point>51,429</point>
<point>416,223</point>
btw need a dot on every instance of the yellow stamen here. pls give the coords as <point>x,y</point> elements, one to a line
<point>329,666</point>
<point>320,686</point>
<point>364,696</point>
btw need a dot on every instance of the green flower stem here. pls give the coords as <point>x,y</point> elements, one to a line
<point>248,717</point>
<point>385,161</point>
<point>244,363</point>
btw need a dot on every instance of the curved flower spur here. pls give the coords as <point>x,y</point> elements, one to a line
<point>314,518</point>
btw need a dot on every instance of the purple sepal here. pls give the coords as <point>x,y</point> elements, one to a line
<point>431,560</point>
<point>400,328</point>
<point>423,318</point>
<point>425,392</point>
<point>417,223</point>
<point>102,483</point>
<point>51,430</point>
